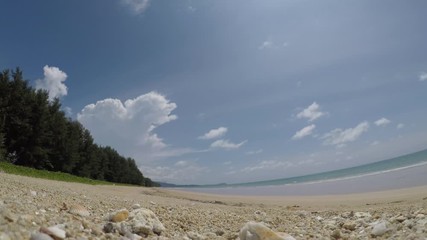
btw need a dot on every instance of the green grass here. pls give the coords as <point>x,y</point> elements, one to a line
<point>58,176</point>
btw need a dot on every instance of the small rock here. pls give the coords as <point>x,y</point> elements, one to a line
<point>108,228</point>
<point>303,213</point>
<point>379,229</point>
<point>132,236</point>
<point>140,221</point>
<point>258,231</point>
<point>39,236</point>
<point>336,234</point>
<point>54,231</point>
<point>219,232</point>
<point>33,193</point>
<point>136,206</point>
<point>349,226</point>
<point>362,215</point>
<point>120,215</point>
<point>401,218</point>
<point>79,210</point>
<point>195,236</point>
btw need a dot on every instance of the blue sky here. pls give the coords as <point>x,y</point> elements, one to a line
<point>231,91</point>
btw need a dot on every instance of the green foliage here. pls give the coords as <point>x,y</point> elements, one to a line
<point>58,176</point>
<point>34,132</point>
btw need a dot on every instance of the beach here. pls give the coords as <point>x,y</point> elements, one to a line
<point>30,208</point>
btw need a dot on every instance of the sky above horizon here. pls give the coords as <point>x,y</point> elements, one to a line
<point>204,92</point>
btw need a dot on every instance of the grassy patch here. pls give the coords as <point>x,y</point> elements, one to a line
<point>58,176</point>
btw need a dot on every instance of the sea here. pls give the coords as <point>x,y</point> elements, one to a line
<point>400,172</point>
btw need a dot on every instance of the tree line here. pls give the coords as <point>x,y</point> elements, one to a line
<point>35,132</point>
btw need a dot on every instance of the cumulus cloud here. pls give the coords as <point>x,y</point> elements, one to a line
<point>311,113</point>
<point>400,126</point>
<point>382,122</point>
<point>339,137</point>
<point>53,82</point>
<point>422,77</point>
<point>304,132</point>
<point>226,144</point>
<point>138,6</point>
<point>129,127</point>
<point>214,133</point>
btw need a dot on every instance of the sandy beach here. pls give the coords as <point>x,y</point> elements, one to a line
<point>32,208</point>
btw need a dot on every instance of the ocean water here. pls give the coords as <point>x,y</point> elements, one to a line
<point>404,171</point>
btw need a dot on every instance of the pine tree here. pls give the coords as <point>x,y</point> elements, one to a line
<point>35,132</point>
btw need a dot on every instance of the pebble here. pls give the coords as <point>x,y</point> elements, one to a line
<point>362,215</point>
<point>79,210</point>
<point>379,228</point>
<point>140,221</point>
<point>349,226</point>
<point>400,218</point>
<point>55,232</point>
<point>22,216</point>
<point>136,206</point>
<point>258,231</point>
<point>39,236</point>
<point>120,215</point>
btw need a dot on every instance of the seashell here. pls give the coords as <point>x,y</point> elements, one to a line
<point>79,210</point>
<point>120,216</point>
<point>257,231</point>
<point>54,231</point>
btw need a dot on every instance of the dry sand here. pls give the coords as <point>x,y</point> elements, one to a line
<point>27,204</point>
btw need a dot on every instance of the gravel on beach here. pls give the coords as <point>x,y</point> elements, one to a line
<point>42,209</point>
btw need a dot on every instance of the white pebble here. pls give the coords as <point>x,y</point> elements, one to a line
<point>379,229</point>
<point>136,206</point>
<point>40,236</point>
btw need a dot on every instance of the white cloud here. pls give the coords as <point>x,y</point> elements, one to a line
<point>382,122</point>
<point>304,132</point>
<point>423,77</point>
<point>339,137</point>
<point>255,152</point>
<point>214,133</point>
<point>312,112</point>
<point>268,165</point>
<point>181,163</point>
<point>265,45</point>
<point>68,111</point>
<point>138,6</point>
<point>53,82</point>
<point>226,144</point>
<point>191,9</point>
<point>180,173</point>
<point>129,127</point>
<point>400,126</point>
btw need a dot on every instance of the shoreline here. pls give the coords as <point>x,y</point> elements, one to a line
<point>29,204</point>
<point>386,180</point>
